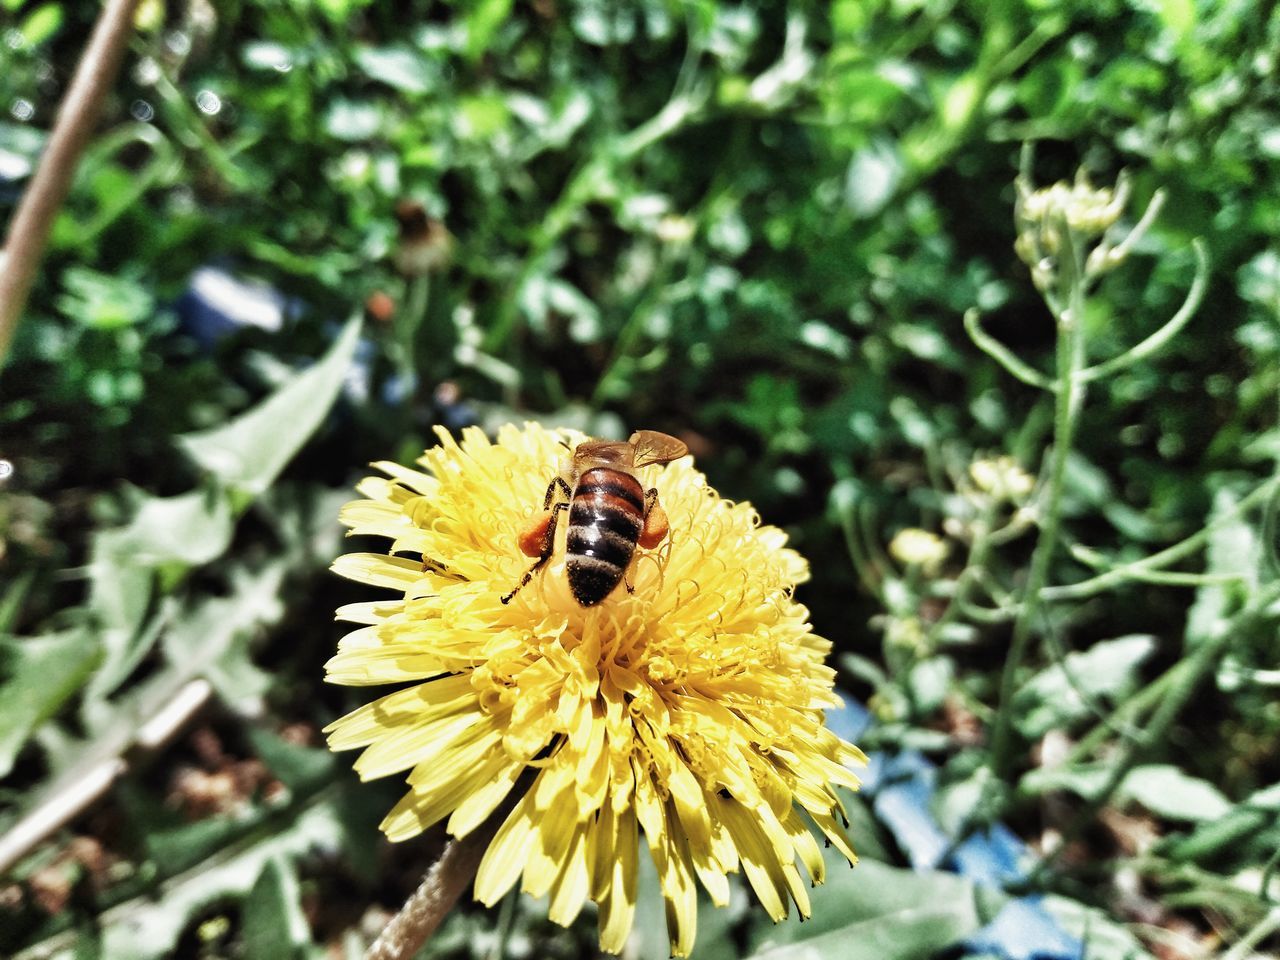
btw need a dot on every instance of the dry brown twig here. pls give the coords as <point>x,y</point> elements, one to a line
<point>31,223</point>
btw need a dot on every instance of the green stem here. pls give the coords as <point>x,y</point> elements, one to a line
<point>1123,716</point>
<point>1002,355</point>
<point>969,577</point>
<point>1171,329</point>
<point>1067,405</point>
<point>408,322</point>
<point>599,173</point>
<point>871,578</point>
<point>1197,666</point>
<point>1244,947</point>
<point>1269,871</point>
<point>1135,570</point>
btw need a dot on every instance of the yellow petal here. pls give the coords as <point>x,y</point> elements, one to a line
<point>397,573</point>
<point>569,892</point>
<point>618,902</point>
<point>504,860</point>
<point>442,697</point>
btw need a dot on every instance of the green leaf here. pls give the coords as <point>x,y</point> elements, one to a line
<point>1178,16</point>
<point>15,594</point>
<point>247,454</point>
<point>352,119</point>
<point>1163,789</point>
<point>872,179</point>
<point>482,23</point>
<point>878,912</point>
<point>1104,939</point>
<point>166,534</point>
<point>297,767</point>
<point>41,24</point>
<point>929,682</point>
<point>1053,698</point>
<point>398,67</point>
<point>101,301</point>
<point>273,924</point>
<point>1233,550</point>
<point>150,926</point>
<point>266,55</point>
<point>1168,792</point>
<point>37,675</point>
<point>213,640</point>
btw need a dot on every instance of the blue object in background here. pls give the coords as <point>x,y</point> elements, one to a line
<point>901,788</point>
<point>217,303</point>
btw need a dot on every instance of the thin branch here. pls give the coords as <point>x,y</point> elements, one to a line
<point>1167,332</point>
<point>1157,561</point>
<point>1002,355</point>
<point>29,229</point>
<point>82,791</point>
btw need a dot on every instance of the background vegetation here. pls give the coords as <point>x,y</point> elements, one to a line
<point>756,227</point>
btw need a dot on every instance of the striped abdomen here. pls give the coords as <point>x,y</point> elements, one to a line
<point>605,518</point>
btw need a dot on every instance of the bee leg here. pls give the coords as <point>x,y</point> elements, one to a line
<point>551,492</point>
<point>548,546</point>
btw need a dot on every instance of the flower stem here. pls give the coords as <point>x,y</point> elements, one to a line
<point>1198,665</point>
<point>1067,404</point>
<point>1183,548</point>
<point>1245,946</point>
<point>425,910</point>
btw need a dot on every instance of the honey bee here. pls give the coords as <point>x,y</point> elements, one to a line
<point>610,513</point>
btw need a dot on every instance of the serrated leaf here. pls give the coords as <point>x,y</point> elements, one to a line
<point>272,923</point>
<point>148,928</point>
<point>166,533</point>
<point>213,640</point>
<point>247,454</point>
<point>1055,697</point>
<point>37,675</point>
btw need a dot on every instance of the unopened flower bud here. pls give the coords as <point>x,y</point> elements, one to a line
<point>1002,479</point>
<point>914,547</point>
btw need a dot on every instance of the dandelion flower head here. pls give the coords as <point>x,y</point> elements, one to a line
<point>689,711</point>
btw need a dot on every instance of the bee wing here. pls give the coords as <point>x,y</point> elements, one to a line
<point>607,451</point>
<point>653,447</point>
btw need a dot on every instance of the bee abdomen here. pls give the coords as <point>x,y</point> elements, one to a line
<point>605,519</point>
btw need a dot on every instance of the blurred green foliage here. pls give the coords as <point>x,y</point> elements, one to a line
<point>755,226</point>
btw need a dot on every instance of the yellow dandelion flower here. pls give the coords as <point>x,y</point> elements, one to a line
<point>689,710</point>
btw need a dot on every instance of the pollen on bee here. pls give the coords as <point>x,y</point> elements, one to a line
<point>656,526</point>
<point>534,535</point>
